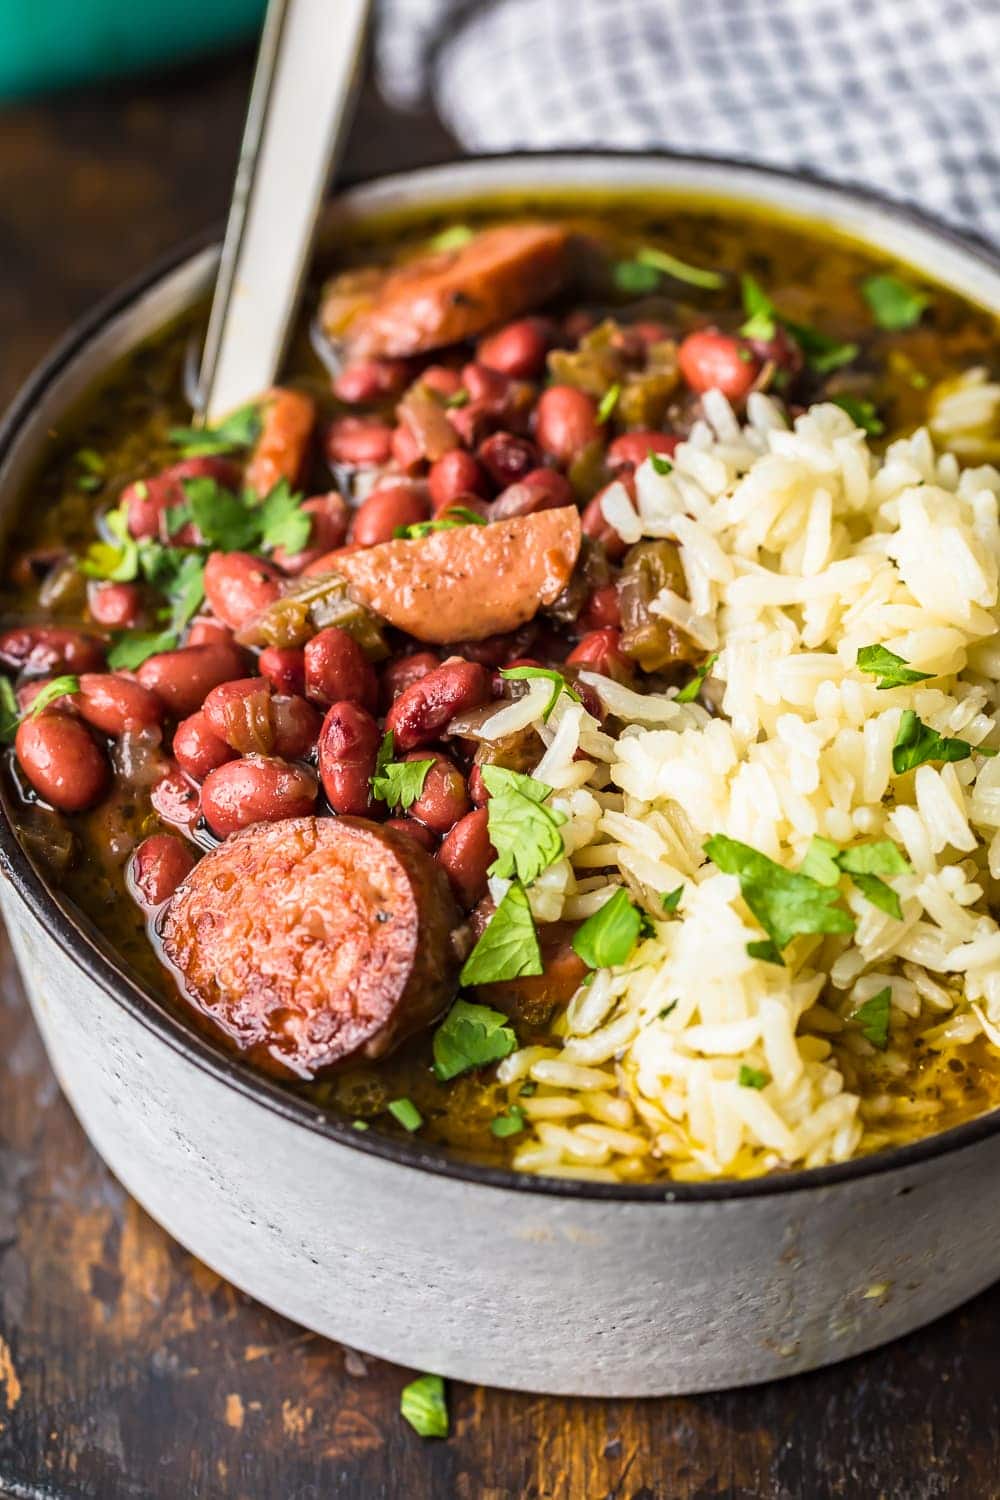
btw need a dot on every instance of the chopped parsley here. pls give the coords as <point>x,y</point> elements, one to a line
<point>511,1122</point>
<point>10,714</point>
<point>53,690</point>
<point>916,743</point>
<point>424,1406</point>
<point>672,900</point>
<point>864,864</point>
<point>453,517</point>
<point>891,670</point>
<point>608,937</point>
<point>133,647</point>
<point>452,238</point>
<point>471,1036</point>
<point>862,413</point>
<point>608,402</point>
<point>786,903</point>
<point>458,399</point>
<point>823,353</point>
<point>690,690</point>
<point>642,274</point>
<point>407,1113</point>
<point>752,1078</point>
<point>523,831</point>
<point>873,1018</point>
<point>397,783</point>
<point>117,561</point>
<point>237,431</point>
<point>93,466</point>
<point>895,306</point>
<point>507,949</point>
<point>661,464</point>
<point>547,674</point>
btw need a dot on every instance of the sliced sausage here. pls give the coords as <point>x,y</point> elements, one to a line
<point>470,582</point>
<point>452,295</point>
<point>314,940</point>
<point>287,421</point>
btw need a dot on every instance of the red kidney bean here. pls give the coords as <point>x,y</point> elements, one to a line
<point>296,726</point>
<point>156,868</point>
<point>566,421</point>
<point>419,831</point>
<point>183,679</point>
<point>443,379</point>
<point>284,667</point>
<point>146,501</point>
<point>348,747</point>
<point>370,379</point>
<point>328,562</point>
<point>359,442</point>
<point>634,447</point>
<point>423,711</point>
<point>175,800</point>
<point>710,360</point>
<point>114,604</point>
<point>453,476</point>
<point>338,669</point>
<point>443,797</point>
<point>507,458</point>
<point>328,528</point>
<point>387,507</point>
<point>782,350</point>
<point>599,530</point>
<point>519,349</point>
<point>601,651</point>
<point>602,609</point>
<point>238,586</point>
<point>466,855</point>
<point>62,761</point>
<point>484,384</point>
<point>650,332</point>
<point>540,489</point>
<point>197,748</point>
<point>113,704</point>
<point>29,691</point>
<point>478,794</point>
<point>404,671</point>
<point>406,449</point>
<point>257,789</point>
<point>204,631</point>
<point>50,649</point>
<point>239,712</point>
<point>578,323</point>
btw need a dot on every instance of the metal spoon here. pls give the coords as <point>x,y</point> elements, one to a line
<point>300,102</point>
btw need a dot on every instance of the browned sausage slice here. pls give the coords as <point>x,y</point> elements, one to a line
<point>451,295</point>
<point>313,940</point>
<point>287,421</point>
<point>469,583</point>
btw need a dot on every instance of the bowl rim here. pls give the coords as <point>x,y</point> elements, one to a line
<point>83,949</point>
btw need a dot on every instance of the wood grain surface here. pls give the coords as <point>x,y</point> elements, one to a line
<point>127,1369</point>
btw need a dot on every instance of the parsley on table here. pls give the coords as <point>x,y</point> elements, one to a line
<point>917,743</point>
<point>690,690</point>
<point>864,864</point>
<point>546,674</point>
<point>608,937</point>
<point>786,903</point>
<point>862,413</point>
<point>397,783</point>
<point>523,831</point>
<point>672,900</point>
<point>873,1018</point>
<point>239,430</point>
<point>890,669</point>
<point>450,520</point>
<point>507,949</point>
<point>823,353</point>
<point>511,1122</point>
<point>895,306</point>
<point>406,1113</point>
<point>51,691</point>
<point>609,401</point>
<point>471,1036</point>
<point>752,1078</point>
<point>424,1406</point>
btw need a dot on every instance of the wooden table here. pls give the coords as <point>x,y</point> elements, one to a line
<point>127,1369</point>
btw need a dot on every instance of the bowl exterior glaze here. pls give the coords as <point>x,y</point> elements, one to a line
<point>552,1287</point>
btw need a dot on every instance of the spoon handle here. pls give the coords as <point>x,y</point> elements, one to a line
<point>301,98</point>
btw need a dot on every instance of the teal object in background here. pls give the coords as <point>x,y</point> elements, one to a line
<point>46,44</point>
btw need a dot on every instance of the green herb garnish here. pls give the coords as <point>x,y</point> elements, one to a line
<point>752,1078</point>
<point>916,743</point>
<point>661,464</point>
<point>237,431</point>
<point>891,670</point>
<point>508,947</point>
<point>471,1036</point>
<point>862,413</point>
<point>53,690</point>
<point>397,783</point>
<point>424,1406</point>
<point>873,1018</point>
<point>608,937</point>
<point>864,864</point>
<point>608,402</point>
<point>895,306</point>
<point>786,903</point>
<point>546,674</point>
<point>406,1112</point>
<point>672,900</point>
<point>133,647</point>
<point>511,1122</point>
<point>453,517</point>
<point>823,353</point>
<point>452,238</point>
<point>690,690</point>
<point>680,270</point>
<point>523,831</point>
<point>106,560</point>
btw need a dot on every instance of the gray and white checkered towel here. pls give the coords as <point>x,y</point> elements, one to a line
<point>900,95</point>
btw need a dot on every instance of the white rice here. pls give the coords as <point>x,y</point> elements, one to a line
<point>799,546</point>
